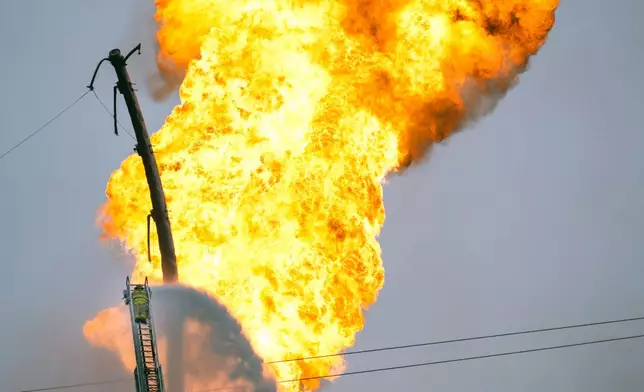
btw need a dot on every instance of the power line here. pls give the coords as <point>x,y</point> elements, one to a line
<point>80,385</point>
<point>463,359</point>
<point>112,115</point>
<point>482,337</point>
<point>60,114</point>
<point>419,345</point>
<point>45,125</point>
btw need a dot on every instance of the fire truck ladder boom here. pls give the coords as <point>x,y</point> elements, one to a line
<point>147,374</point>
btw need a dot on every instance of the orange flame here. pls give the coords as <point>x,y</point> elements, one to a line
<point>293,112</point>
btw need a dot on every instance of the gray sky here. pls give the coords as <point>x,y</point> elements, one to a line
<point>530,218</point>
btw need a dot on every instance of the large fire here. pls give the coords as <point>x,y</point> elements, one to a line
<point>292,114</point>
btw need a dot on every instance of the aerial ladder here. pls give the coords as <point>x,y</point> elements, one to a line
<point>147,374</point>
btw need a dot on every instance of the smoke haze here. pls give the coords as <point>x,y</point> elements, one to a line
<point>216,354</point>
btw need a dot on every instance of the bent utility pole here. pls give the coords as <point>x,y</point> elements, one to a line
<point>159,209</point>
<point>144,148</point>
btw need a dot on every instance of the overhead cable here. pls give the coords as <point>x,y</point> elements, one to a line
<point>112,115</point>
<point>357,372</point>
<point>44,125</point>
<point>441,362</point>
<point>467,339</point>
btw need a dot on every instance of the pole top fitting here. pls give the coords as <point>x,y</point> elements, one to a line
<point>115,53</point>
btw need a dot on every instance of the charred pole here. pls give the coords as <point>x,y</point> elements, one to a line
<point>144,148</point>
<point>159,208</point>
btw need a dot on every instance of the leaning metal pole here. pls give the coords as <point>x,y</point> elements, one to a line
<point>159,209</point>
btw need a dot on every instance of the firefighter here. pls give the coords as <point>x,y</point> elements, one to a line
<point>141,304</point>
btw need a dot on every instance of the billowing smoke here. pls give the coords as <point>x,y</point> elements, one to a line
<point>164,80</point>
<point>216,355</point>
